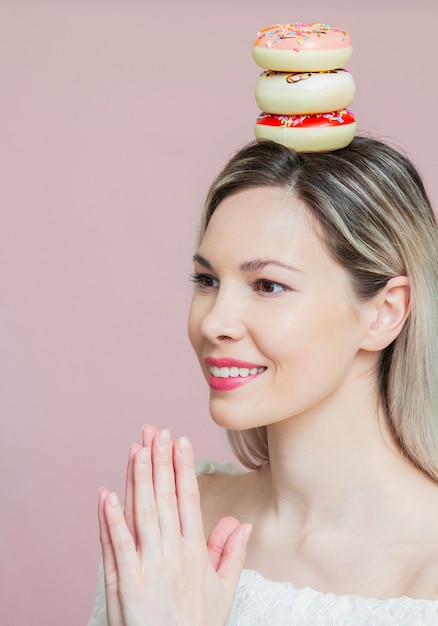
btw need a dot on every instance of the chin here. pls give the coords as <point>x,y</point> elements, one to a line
<point>233,418</point>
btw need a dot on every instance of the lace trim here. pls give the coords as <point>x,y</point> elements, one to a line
<point>260,602</point>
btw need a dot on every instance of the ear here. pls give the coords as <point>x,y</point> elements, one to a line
<point>389,311</point>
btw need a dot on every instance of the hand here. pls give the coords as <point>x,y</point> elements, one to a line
<point>158,569</point>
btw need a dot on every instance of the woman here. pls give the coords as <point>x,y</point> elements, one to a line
<point>314,318</point>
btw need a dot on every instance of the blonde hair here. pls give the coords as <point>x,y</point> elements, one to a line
<point>376,220</point>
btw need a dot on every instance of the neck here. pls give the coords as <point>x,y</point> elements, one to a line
<point>334,460</point>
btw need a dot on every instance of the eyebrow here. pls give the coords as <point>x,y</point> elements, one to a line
<point>253,265</point>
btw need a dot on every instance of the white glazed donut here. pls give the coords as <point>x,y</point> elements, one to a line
<point>308,133</point>
<point>305,92</point>
<point>299,47</point>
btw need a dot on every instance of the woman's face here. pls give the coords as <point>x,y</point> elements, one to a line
<point>273,321</point>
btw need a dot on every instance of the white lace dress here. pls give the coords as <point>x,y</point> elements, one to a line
<point>262,602</point>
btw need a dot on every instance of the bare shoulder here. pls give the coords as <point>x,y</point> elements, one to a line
<point>424,582</point>
<point>223,494</point>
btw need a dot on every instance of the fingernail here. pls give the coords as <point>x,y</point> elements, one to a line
<point>247,530</point>
<point>184,446</point>
<point>113,500</point>
<point>144,455</point>
<point>164,438</point>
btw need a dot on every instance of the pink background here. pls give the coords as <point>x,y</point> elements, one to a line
<point>115,116</point>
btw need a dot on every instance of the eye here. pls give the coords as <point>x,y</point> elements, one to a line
<point>269,287</point>
<point>204,281</point>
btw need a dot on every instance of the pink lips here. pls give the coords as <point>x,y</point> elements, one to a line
<point>231,382</point>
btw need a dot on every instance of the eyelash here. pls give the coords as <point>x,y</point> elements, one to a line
<point>199,279</point>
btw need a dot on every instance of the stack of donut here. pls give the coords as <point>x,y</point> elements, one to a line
<point>305,90</point>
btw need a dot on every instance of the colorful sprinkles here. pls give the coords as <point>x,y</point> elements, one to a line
<point>298,31</point>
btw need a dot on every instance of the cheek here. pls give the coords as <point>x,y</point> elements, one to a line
<point>298,343</point>
<point>281,346</point>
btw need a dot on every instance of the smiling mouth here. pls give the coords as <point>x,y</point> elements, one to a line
<point>235,372</point>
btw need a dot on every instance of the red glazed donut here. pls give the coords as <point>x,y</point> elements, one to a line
<point>308,133</point>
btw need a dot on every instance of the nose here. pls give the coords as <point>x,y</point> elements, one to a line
<point>224,318</point>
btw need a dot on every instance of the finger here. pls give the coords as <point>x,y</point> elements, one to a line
<point>113,609</point>
<point>187,490</point>
<point>129,491</point>
<point>145,508</point>
<point>122,542</point>
<point>219,537</point>
<point>234,555</point>
<point>148,433</point>
<point>164,488</point>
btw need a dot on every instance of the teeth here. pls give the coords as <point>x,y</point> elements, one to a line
<point>234,372</point>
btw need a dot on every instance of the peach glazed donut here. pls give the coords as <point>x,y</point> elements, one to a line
<point>308,133</point>
<point>297,93</point>
<point>297,47</point>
